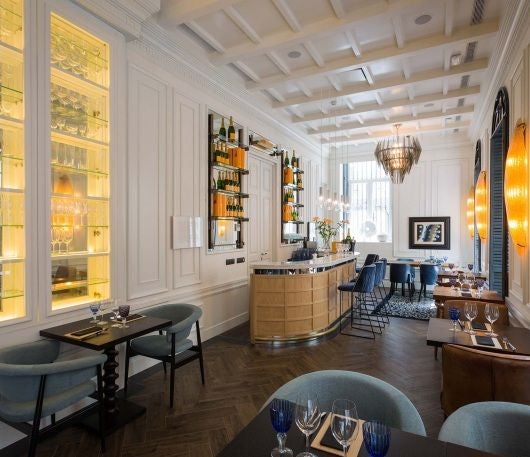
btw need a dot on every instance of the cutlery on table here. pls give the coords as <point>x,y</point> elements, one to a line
<point>508,345</point>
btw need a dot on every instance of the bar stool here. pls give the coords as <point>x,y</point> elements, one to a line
<point>370,259</point>
<point>380,308</point>
<point>362,287</point>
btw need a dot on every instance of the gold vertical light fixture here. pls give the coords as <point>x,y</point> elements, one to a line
<point>516,187</point>
<point>481,205</point>
<point>470,212</point>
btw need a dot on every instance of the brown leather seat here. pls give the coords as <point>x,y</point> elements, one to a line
<point>471,375</point>
<point>481,317</point>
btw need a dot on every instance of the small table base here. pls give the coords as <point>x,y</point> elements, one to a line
<point>126,412</point>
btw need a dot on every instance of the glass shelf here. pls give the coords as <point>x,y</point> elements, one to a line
<point>6,260</point>
<point>83,171</point>
<point>229,218</point>
<point>295,205</point>
<point>223,166</point>
<point>67,285</point>
<point>73,197</point>
<point>293,222</point>
<point>78,254</point>
<point>230,193</point>
<point>17,159</point>
<point>7,294</point>
<point>11,23</point>
<point>292,186</point>
<point>295,169</point>
<point>233,144</point>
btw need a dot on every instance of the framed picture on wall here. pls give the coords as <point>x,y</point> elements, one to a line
<point>429,233</point>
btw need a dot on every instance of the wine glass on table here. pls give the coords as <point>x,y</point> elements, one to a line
<point>94,308</point>
<point>480,286</point>
<point>281,412</point>
<point>376,437</point>
<point>454,315</point>
<point>492,314</point>
<point>452,281</point>
<point>451,266</point>
<point>344,420</point>
<point>470,268</point>
<point>124,312</point>
<point>471,312</point>
<point>116,311</point>
<point>307,417</point>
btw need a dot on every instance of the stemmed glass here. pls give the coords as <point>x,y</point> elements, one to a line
<point>344,419</point>
<point>470,268</point>
<point>454,315</point>
<point>281,412</point>
<point>492,314</point>
<point>307,417</point>
<point>452,280</point>
<point>104,306</point>
<point>94,308</point>
<point>471,312</point>
<point>116,310</point>
<point>451,267</point>
<point>124,312</point>
<point>480,285</point>
<point>376,438</point>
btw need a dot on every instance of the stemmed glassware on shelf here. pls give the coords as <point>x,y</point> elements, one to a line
<point>344,422</point>
<point>492,314</point>
<point>281,413</point>
<point>307,414</point>
<point>454,315</point>
<point>471,312</point>
<point>376,437</point>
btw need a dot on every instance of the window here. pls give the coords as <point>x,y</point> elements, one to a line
<point>370,213</point>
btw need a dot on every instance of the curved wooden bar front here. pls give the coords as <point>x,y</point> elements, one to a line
<point>291,307</point>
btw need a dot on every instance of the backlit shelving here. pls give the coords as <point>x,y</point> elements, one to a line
<point>79,160</point>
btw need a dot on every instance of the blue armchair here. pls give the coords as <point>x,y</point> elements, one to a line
<point>401,273</point>
<point>174,347</point>
<point>33,384</point>
<point>428,275</point>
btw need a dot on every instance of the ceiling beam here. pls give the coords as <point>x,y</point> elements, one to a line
<point>313,52</point>
<point>206,36</point>
<point>389,83</point>
<point>240,21</point>
<point>324,27</point>
<point>439,114</point>
<point>380,135</point>
<point>410,49</point>
<point>288,15</point>
<point>449,17</point>
<point>173,12</point>
<point>402,103</point>
<point>338,8</point>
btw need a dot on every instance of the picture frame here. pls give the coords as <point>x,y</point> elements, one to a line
<point>429,233</point>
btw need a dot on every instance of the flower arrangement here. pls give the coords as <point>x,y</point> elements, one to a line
<point>327,230</point>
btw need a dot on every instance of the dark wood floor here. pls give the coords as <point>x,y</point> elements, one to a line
<point>240,377</point>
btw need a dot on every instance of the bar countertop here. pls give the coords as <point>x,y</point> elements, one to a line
<point>319,263</point>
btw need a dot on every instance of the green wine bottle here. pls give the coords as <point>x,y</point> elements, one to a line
<point>286,161</point>
<point>222,130</point>
<point>231,131</point>
<point>293,160</point>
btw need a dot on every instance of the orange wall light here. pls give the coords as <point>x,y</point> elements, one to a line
<point>470,212</point>
<point>516,187</point>
<point>481,205</point>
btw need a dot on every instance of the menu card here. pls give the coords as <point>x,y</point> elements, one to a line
<point>320,439</point>
<point>476,340</point>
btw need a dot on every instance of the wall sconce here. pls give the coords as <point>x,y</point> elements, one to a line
<point>516,187</point>
<point>470,212</point>
<point>481,206</point>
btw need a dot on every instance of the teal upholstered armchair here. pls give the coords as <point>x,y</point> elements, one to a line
<point>34,385</point>
<point>375,399</point>
<point>497,427</point>
<point>172,344</point>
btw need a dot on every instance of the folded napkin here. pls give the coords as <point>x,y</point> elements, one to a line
<point>485,342</point>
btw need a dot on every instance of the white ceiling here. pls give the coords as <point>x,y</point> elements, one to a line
<point>346,70</point>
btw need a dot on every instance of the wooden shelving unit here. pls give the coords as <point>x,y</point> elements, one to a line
<point>292,186</point>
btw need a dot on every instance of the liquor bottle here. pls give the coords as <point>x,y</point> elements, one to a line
<point>348,237</point>
<point>299,181</point>
<point>222,130</point>
<point>231,131</point>
<point>286,161</point>
<point>293,160</point>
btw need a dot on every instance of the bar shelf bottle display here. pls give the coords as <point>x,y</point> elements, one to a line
<point>292,186</point>
<point>12,161</point>
<point>79,159</point>
<point>227,166</point>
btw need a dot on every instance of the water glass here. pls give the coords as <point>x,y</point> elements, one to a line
<point>281,412</point>
<point>124,312</point>
<point>471,312</point>
<point>344,420</point>
<point>94,308</point>
<point>492,314</point>
<point>480,286</point>
<point>116,311</point>
<point>307,417</point>
<point>454,315</point>
<point>376,438</point>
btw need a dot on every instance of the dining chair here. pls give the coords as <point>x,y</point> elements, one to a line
<point>375,399</point>
<point>400,273</point>
<point>497,427</point>
<point>171,346</point>
<point>428,276</point>
<point>35,384</point>
<point>369,260</point>
<point>363,287</point>
<point>471,375</point>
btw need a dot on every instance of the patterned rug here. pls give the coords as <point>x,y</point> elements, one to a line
<point>399,306</point>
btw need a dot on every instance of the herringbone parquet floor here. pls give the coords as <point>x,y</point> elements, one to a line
<point>240,377</point>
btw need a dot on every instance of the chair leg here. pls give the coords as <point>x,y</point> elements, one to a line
<point>172,373</point>
<point>199,345</point>
<point>101,412</point>
<point>127,356</point>
<point>36,418</point>
<point>403,289</point>
<point>53,419</point>
<point>419,295</point>
<point>435,352</point>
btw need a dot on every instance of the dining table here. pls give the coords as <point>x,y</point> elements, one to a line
<point>447,273</point>
<point>258,438</point>
<point>439,333</point>
<point>441,294</point>
<point>118,411</point>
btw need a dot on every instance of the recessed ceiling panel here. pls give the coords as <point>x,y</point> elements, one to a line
<point>221,27</point>
<point>262,16</point>
<point>309,11</point>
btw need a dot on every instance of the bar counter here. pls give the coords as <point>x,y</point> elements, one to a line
<point>293,301</point>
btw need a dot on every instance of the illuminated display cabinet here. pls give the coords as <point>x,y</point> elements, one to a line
<point>79,160</point>
<point>12,165</point>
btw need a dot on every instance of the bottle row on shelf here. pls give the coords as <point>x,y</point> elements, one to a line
<point>228,180</point>
<point>294,162</point>
<point>228,155</point>
<point>290,214</point>
<point>225,206</point>
<point>290,178</point>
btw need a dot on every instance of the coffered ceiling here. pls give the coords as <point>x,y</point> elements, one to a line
<point>347,70</point>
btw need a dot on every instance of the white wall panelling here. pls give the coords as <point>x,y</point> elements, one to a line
<point>147,196</point>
